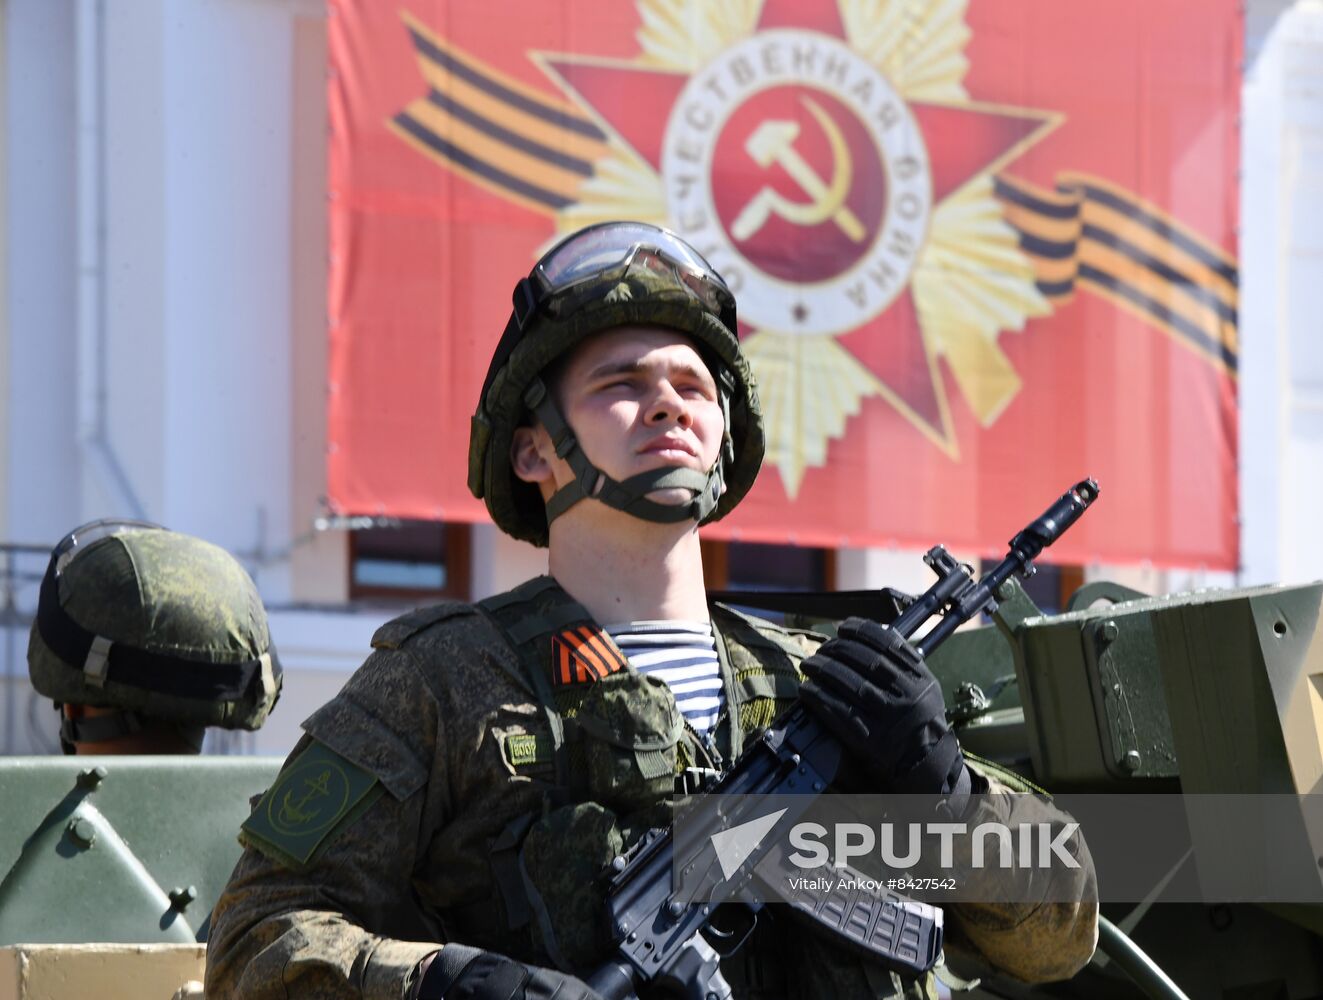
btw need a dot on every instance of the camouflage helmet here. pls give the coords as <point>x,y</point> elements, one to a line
<point>161,625</point>
<point>609,275</point>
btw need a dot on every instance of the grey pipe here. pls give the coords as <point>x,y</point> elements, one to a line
<point>1134,961</point>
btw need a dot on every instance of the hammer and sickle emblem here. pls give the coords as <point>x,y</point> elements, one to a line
<point>773,142</point>
<point>297,813</point>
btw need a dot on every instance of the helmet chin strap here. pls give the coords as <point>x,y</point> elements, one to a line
<point>629,495</point>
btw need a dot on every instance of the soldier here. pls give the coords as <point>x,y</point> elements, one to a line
<point>440,829</point>
<point>144,637</point>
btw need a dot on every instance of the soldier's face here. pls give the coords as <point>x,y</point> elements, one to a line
<point>640,398</point>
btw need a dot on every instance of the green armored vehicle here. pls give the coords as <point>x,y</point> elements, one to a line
<point>1216,695</point>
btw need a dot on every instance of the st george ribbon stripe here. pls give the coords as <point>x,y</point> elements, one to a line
<point>597,652</point>
<point>1056,289</point>
<point>1207,319</point>
<point>496,131</point>
<point>584,654</point>
<point>1160,312</point>
<point>480,167</point>
<point>1049,249</point>
<point>1163,228</point>
<point>1202,294</point>
<point>509,138</point>
<point>495,88</point>
<point>1040,206</point>
<point>578,652</point>
<point>1072,190</point>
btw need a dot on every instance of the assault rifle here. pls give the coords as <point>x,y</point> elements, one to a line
<point>663,939</point>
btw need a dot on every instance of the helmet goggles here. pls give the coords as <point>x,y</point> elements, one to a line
<point>581,269</point>
<point>576,269</point>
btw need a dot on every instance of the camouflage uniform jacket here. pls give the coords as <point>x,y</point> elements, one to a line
<point>462,755</point>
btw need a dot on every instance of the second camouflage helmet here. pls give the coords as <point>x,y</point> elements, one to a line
<point>153,622</point>
<point>611,275</point>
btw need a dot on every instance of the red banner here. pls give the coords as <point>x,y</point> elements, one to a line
<point>981,250</point>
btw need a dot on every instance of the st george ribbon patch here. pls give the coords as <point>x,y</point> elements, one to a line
<point>582,654</point>
<point>312,798</point>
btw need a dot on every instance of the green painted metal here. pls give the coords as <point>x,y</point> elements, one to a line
<point>1129,692</point>
<point>974,656</point>
<point>1091,687</point>
<point>1102,590</point>
<point>999,735</point>
<point>1217,691</point>
<point>1233,664</point>
<point>122,849</point>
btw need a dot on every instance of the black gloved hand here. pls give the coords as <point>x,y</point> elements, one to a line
<point>872,689</point>
<point>458,972</point>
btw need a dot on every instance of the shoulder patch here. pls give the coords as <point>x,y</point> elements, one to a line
<point>313,798</point>
<point>583,654</point>
<point>393,634</point>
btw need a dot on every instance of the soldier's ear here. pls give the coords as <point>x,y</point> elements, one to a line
<point>530,454</point>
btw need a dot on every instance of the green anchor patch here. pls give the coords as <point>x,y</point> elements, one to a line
<point>295,815</point>
<point>317,793</point>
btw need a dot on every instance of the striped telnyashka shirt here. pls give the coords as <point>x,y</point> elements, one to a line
<point>684,655</point>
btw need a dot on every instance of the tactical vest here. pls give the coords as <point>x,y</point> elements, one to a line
<point>617,745</point>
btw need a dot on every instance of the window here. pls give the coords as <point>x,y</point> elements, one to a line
<point>778,567</point>
<point>748,566</point>
<point>413,560</point>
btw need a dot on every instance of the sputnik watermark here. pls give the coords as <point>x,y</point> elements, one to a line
<point>863,883</point>
<point>798,848</point>
<point>1004,847</point>
<point>1038,844</point>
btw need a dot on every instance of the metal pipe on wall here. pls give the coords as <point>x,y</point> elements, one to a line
<point>90,91</point>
